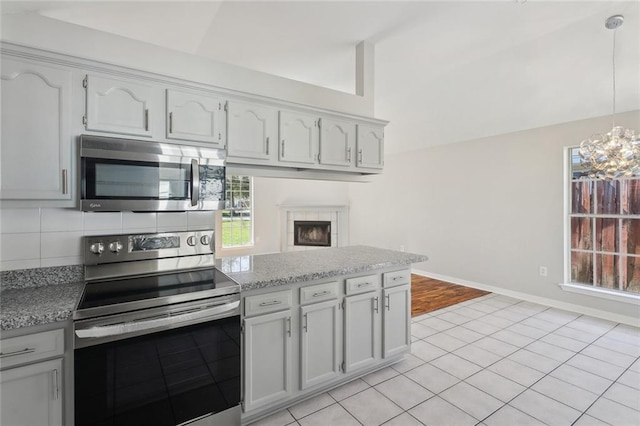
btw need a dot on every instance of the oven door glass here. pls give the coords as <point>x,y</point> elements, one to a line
<point>163,378</point>
<point>119,179</point>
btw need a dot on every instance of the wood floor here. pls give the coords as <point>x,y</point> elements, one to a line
<point>428,294</point>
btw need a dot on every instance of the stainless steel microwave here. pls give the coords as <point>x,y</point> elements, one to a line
<point>132,175</point>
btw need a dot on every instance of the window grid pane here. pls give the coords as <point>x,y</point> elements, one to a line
<point>237,224</point>
<point>604,221</point>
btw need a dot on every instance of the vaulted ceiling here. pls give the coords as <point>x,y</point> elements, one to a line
<point>445,71</point>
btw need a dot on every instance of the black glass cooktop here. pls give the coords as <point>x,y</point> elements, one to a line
<point>161,287</point>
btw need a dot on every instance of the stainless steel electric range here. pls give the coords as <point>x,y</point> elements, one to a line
<point>157,333</point>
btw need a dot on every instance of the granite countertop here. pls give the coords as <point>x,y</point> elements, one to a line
<point>270,270</point>
<point>39,296</point>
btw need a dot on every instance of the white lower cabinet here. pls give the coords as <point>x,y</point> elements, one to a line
<point>31,395</point>
<point>361,331</point>
<point>32,392</point>
<point>319,343</point>
<point>304,338</point>
<point>267,359</point>
<point>396,314</point>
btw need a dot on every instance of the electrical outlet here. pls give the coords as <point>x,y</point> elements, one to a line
<point>543,271</point>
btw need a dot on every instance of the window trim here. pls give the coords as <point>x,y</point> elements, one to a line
<point>567,285</point>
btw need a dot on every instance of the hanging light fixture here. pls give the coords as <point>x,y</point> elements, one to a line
<point>617,153</point>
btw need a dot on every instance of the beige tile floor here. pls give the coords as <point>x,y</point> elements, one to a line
<point>493,361</point>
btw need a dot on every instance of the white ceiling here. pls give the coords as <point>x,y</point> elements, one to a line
<point>446,71</point>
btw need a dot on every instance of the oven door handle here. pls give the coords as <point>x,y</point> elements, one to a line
<point>195,182</point>
<point>155,322</point>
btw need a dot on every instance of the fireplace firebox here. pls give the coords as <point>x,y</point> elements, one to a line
<point>312,233</point>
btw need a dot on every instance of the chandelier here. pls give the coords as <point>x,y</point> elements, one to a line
<point>615,154</point>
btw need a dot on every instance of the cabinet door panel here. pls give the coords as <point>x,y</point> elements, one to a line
<point>32,395</point>
<point>319,343</point>
<point>118,106</point>
<point>195,117</point>
<point>337,139</point>
<point>396,321</point>
<point>35,131</point>
<point>251,131</point>
<point>370,145</point>
<point>267,362</point>
<point>298,137</point>
<point>362,331</point>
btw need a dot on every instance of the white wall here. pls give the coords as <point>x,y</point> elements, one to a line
<point>37,31</point>
<point>270,193</point>
<point>488,211</point>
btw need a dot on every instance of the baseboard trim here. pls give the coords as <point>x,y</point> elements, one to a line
<point>624,319</point>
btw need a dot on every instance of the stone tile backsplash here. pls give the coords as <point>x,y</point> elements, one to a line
<point>34,237</point>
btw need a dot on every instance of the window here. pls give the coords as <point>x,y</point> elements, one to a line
<point>237,219</point>
<point>604,230</point>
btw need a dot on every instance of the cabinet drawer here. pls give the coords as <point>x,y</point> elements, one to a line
<point>392,279</point>
<point>362,284</point>
<point>32,347</point>
<point>269,302</point>
<point>318,293</point>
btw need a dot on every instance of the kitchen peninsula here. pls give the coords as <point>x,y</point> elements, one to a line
<point>313,320</point>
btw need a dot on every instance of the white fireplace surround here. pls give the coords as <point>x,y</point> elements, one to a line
<point>338,215</point>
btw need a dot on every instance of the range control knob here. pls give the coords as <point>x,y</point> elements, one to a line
<point>115,246</point>
<point>205,240</point>
<point>96,248</point>
<point>191,241</point>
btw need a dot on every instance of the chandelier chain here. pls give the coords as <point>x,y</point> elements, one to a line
<point>613,60</point>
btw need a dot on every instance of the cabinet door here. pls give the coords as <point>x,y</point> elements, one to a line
<point>370,146</point>
<point>267,359</point>
<point>119,106</point>
<point>35,132</point>
<point>195,117</point>
<point>362,331</point>
<point>32,395</point>
<point>396,328</point>
<point>319,343</point>
<point>298,137</point>
<point>337,138</point>
<point>251,131</point>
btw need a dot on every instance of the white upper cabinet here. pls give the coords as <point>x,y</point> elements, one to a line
<point>337,141</point>
<point>36,150</point>
<point>370,147</point>
<point>298,137</point>
<point>119,106</point>
<point>252,132</point>
<point>195,117</point>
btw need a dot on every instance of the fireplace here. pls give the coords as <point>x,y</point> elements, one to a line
<point>312,233</point>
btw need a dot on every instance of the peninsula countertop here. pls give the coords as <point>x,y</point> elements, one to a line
<point>270,270</point>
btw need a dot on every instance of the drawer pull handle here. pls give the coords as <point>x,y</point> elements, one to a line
<point>271,303</point>
<point>363,284</point>
<point>321,293</point>
<point>396,278</point>
<point>20,352</point>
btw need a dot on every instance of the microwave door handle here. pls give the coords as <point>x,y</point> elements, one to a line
<point>195,182</point>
